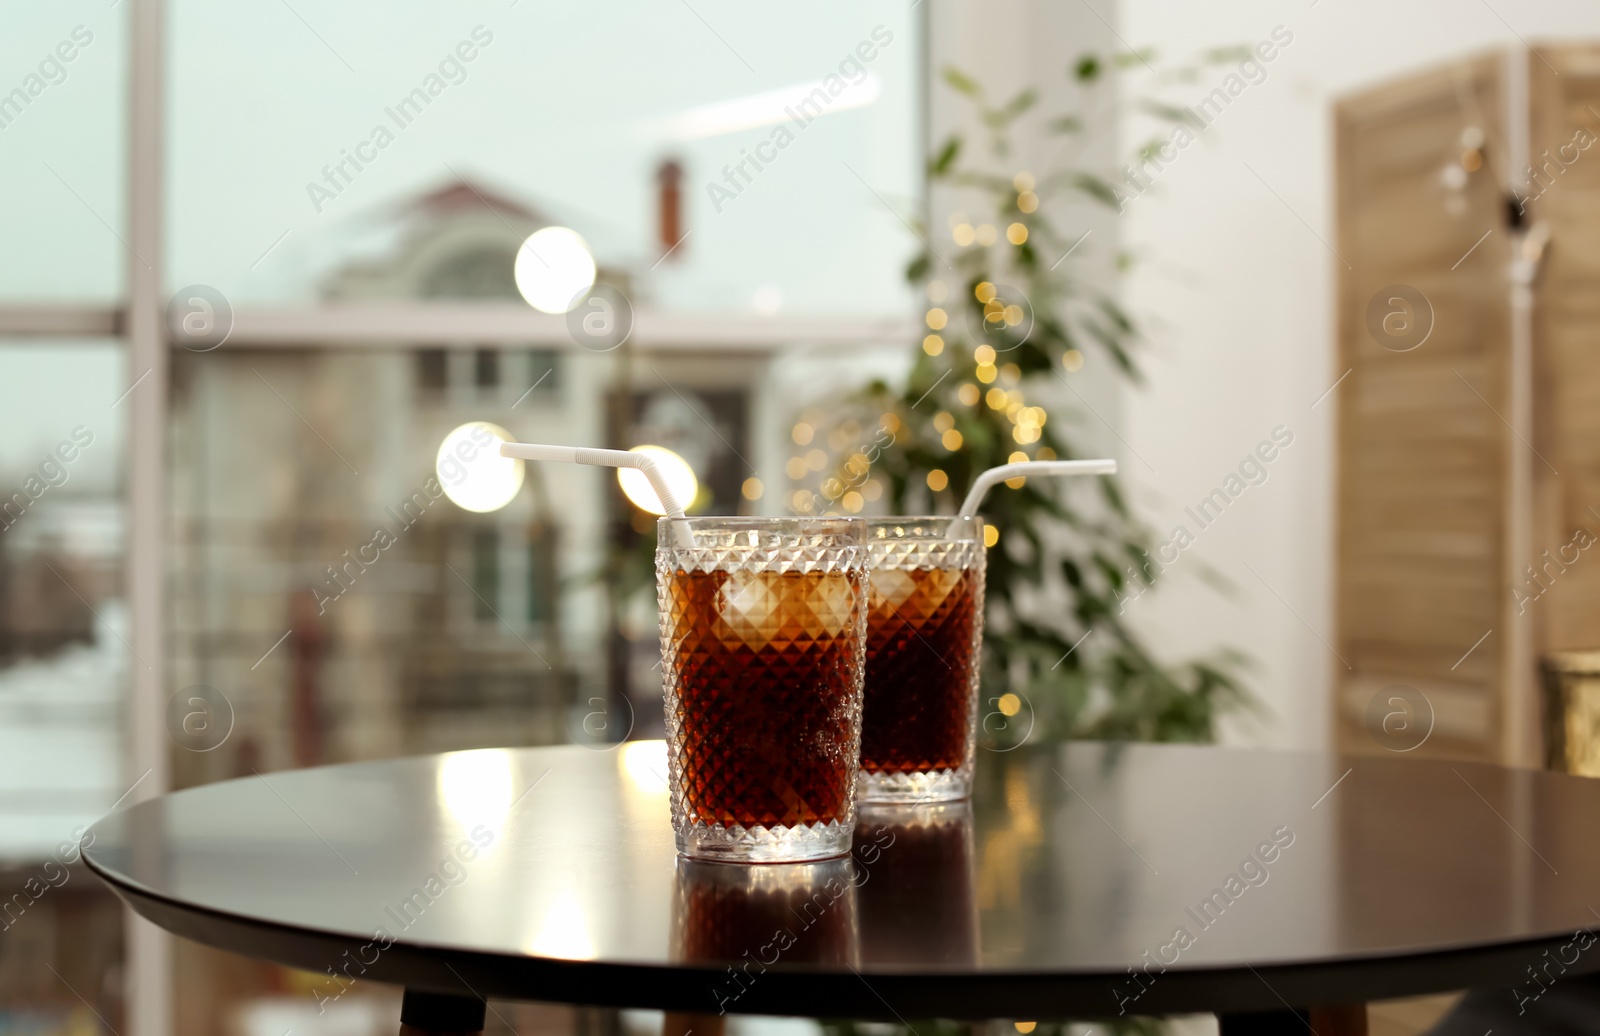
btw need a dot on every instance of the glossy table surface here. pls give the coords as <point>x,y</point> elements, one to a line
<point>1231,880</point>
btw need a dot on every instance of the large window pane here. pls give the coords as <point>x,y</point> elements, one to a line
<point>64,663</point>
<point>318,136</point>
<point>62,100</point>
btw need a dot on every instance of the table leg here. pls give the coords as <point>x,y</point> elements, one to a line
<point>1340,1020</point>
<point>434,1014</point>
<point>1265,1023</point>
<point>681,1024</point>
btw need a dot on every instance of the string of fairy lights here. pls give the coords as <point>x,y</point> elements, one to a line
<point>847,484</point>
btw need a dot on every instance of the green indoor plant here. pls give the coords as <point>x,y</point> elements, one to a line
<point>1007,319</point>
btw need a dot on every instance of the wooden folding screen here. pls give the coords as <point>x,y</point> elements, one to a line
<point>1468,464</point>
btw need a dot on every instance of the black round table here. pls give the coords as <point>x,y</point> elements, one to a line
<point>1083,881</point>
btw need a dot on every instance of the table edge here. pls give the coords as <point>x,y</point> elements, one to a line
<point>855,992</point>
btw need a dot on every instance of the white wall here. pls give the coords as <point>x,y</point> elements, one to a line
<point>1237,289</point>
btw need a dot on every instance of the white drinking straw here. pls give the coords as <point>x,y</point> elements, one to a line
<point>989,479</point>
<point>609,459</point>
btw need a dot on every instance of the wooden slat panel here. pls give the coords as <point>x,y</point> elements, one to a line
<point>1567,343</point>
<point>1422,458</point>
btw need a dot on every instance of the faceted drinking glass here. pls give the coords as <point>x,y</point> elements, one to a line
<point>763,638</point>
<point>924,641</point>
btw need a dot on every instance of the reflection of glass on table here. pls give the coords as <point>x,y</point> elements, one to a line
<point>752,918</point>
<point>916,899</point>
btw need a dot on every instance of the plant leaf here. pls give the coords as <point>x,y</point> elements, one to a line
<point>946,157</point>
<point>1223,55</point>
<point>1137,56</point>
<point>962,82</point>
<point>1172,113</point>
<point>1095,188</point>
<point>1020,103</point>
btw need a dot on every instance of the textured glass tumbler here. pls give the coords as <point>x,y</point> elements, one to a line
<point>924,640</point>
<point>763,639</point>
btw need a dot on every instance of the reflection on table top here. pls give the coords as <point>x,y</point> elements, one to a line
<point>1215,872</point>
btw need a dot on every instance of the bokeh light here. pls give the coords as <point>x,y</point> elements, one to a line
<point>680,478</point>
<point>473,474</point>
<point>554,268</point>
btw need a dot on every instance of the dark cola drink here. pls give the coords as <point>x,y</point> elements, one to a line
<point>924,639</point>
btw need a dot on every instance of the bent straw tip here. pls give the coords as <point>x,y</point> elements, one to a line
<point>604,459</point>
<point>993,476</point>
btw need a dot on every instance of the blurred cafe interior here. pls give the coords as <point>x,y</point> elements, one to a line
<point>1312,273</point>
